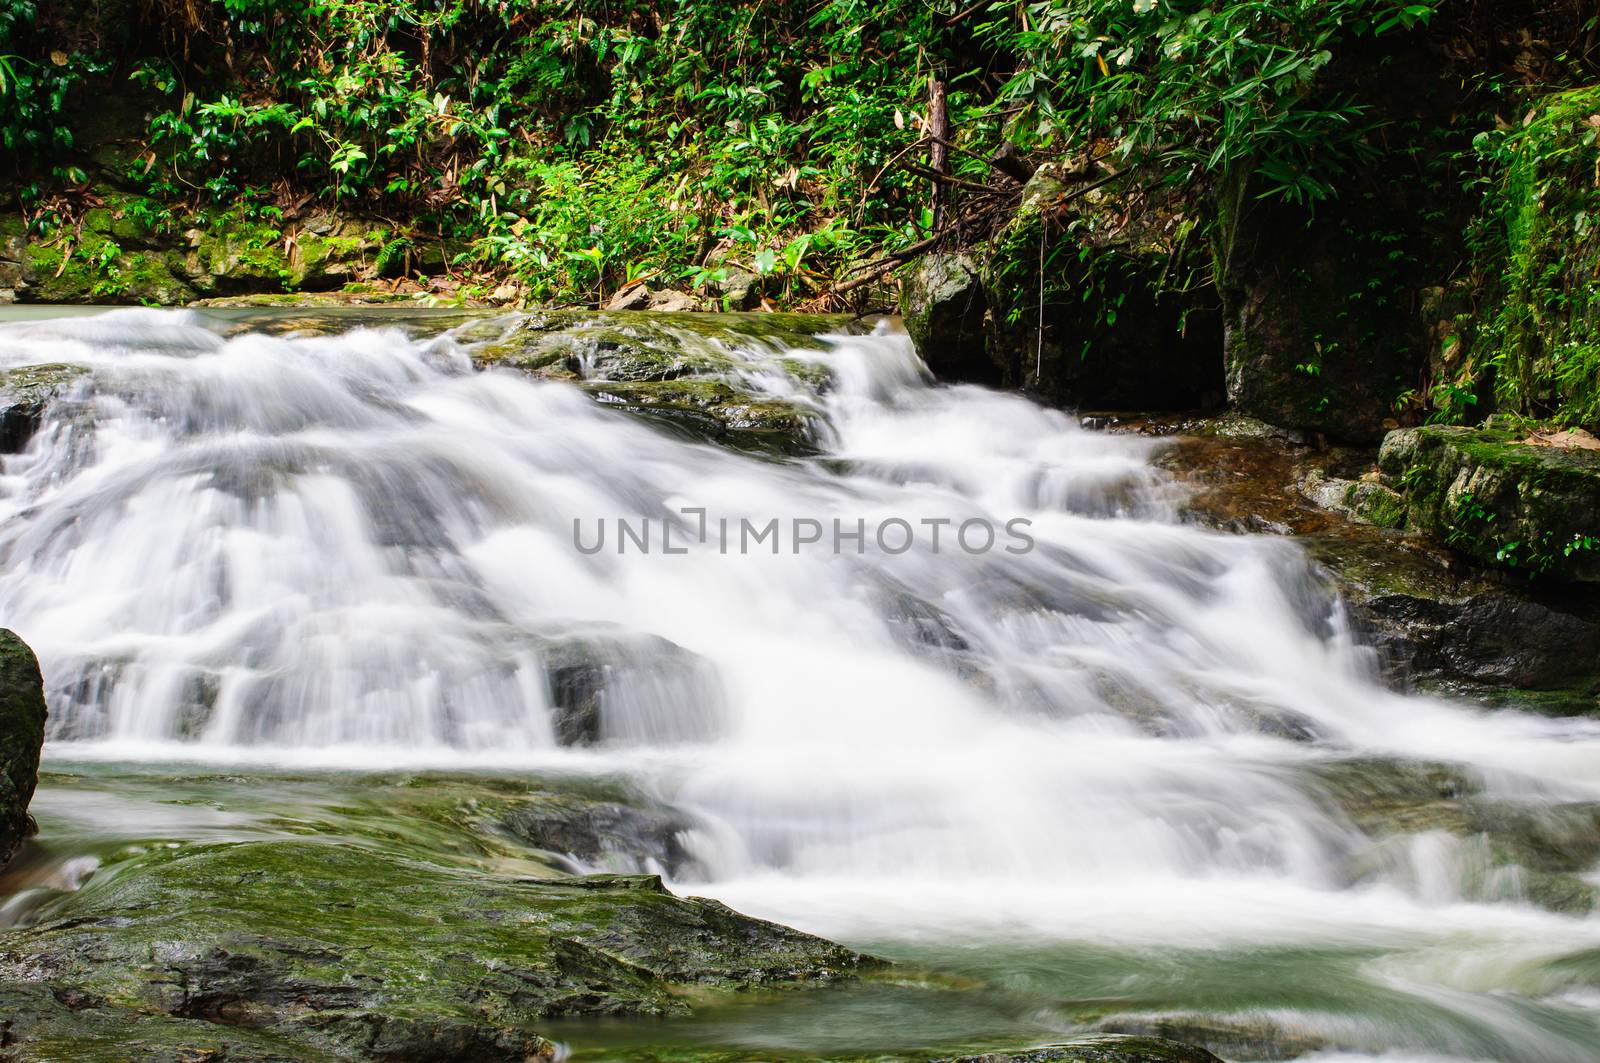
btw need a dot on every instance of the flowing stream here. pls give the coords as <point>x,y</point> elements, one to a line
<point>1082,780</point>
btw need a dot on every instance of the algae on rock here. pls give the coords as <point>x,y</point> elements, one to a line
<point>1488,494</point>
<point>344,950</point>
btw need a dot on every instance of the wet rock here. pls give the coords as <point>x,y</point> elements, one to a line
<point>945,312</point>
<point>1432,616</point>
<point>1102,1048</point>
<point>678,372</point>
<point>25,393</point>
<point>620,353</point>
<point>714,411</point>
<point>38,1023</point>
<point>1364,500</point>
<point>1486,493</point>
<point>624,687</point>
<point>739,289</point>
<point>22,716</point>
<point>1435,621</point>
<point>335,949</point>
<point>1541,850</point>
<point>635,296</point>
<point>1255,1040</point>
<point>608,835</point>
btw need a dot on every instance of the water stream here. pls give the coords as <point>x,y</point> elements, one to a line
<point>1083,777</point>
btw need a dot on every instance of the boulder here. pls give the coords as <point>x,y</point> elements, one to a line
<point>340,950</point>
<point>1433,616</point>
<point>587,834</point>
<point>676,372</point>
<point>1500,496</point>
<point>739,289</point>
<point>25,393</point>
<point>614,685</point>
<point>672,302</point>
<point>1431,622</point>
<point>635,296</point>
<point>945,313</point>
<point>22,716</point>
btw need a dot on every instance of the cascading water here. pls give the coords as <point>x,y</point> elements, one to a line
<point>354,550</point>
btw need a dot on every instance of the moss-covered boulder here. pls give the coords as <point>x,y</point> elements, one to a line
<point>39,1024</point>
<point>22,714</point>
<point>343,950</point>
<point>946,315</point>
<point>690,373</point>
<point>1096,296</point>
<point>1498,496</point>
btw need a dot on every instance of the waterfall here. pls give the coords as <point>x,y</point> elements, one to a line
<point>357,550</point>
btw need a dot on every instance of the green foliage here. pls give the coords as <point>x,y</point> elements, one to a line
<point>1541,243</point>
<point>578,145</point>
<point>37,77</point>
<point>1195,88</point>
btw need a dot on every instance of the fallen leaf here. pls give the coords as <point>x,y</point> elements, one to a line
<point>1571,439</point>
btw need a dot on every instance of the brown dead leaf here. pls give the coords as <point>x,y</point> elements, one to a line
<point>1571,439</point>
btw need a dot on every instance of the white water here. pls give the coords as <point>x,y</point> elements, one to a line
<point>356,551</point>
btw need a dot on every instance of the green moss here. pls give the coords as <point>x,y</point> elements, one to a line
<point>1481,491</point>
<point>345,948</point>
<point>1376,504</point>
<point>1542,242</point>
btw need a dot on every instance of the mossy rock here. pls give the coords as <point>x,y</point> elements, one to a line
<point>1485,493</point>
<point>22,716</point>
<point>341,950</point>
<point>39,1023</point>
<point>681,371</point>
<point>236,257</point>
<point>601,352</point>
<point>1434,617</point>
<point>98,270</point>
<point>714,411</point>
